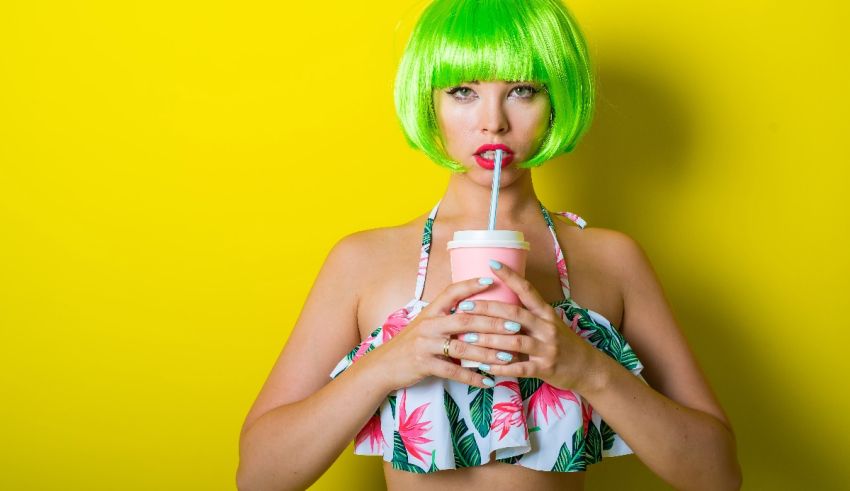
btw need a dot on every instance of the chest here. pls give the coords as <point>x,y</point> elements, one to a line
<point>391,283</point>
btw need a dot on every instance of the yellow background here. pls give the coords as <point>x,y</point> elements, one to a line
<point>172,175</point>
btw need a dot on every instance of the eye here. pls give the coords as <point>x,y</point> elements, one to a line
<point>461,91</point>
<point>526,91</point>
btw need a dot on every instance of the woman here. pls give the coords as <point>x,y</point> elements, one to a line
<point>561,387</point>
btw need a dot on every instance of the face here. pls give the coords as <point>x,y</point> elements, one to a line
<point>515,114</point>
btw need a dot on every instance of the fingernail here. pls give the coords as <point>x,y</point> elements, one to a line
<point>485,281</point>
<point>488,382</point>
<point>470,337</point>
<point>504,356</point>
<point>466,305</point>
<point>495,264</point>
<point>512,326</point>
<point>484,367</point>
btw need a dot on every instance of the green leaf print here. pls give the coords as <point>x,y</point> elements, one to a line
<point>481,410</point>
<point>593,445</point>
<point>426,236</point>
<point>433,467</point>
<point>465,448</point>
<point>528,386</point>
<point>350,355</point>
<point>607,435</point>
<point>511,460</point>
<point>392,404</point>
<point>571,461</point>
<point>400,456</point>
<point>629,359</point>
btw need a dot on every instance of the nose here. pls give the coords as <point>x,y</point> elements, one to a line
<point>493,119</point>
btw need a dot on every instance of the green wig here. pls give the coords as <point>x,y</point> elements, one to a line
<point>459,41</point>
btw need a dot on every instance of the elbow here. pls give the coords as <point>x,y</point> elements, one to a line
<point>736,477</point>
<point>242,482</point>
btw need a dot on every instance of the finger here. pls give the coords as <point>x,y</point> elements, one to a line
<point>454,293</point>
<point>526,292</point>
<point>516,343</point>
<point>464,322</point>
<point>521,369</point>
<point>449,370</point>
<point>461,350</point>
<point>523,320</point>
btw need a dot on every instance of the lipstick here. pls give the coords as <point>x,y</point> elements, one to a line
<point>490,164</point>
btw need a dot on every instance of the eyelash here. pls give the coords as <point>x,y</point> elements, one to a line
<point>531,88</point>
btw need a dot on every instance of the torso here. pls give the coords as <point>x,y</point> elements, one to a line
<point>391,282</point>
<point>390,285</point>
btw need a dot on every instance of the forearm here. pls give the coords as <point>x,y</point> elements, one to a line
<point>689,449</point>
<point>293,445</point>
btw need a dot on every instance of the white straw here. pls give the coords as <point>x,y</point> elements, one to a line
<point>494,191</point>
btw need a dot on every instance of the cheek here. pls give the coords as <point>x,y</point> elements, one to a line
<point>453,123</point>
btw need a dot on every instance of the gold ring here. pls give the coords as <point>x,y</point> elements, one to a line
<point>446,347</point>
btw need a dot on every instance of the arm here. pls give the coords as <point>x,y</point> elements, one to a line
<point>300,423</point>
<point>679,430</point>
<point>291,446</point>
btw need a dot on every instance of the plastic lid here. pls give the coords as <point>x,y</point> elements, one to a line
<point>489,238</point>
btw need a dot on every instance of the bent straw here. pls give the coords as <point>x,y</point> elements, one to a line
<point>494,191</point>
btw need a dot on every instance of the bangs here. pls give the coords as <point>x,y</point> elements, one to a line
<point>461,41</point>
<point>482,41</point>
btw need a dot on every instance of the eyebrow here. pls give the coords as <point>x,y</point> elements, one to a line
<point>476,82</point>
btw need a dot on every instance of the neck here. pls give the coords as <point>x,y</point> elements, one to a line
<point>466,203</point>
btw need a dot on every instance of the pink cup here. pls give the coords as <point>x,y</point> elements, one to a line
<point>470,253</point>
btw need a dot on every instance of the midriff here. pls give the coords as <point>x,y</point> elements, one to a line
<point>494,476</point>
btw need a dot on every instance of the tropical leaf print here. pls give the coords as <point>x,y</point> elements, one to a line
<point>481,409</point>
<point>592,445</point>
<point>511,460</point>
<point>607,434</point>
<point>571,461</point>
<point>392,404</point>
<point>426,236</point>
<point>605,338</point>
<point>528,386</point>
<point>353,355</point>
<point>400,456</point>
<point>433,467</point>
<point>465,448</point>
<point>350,355</point>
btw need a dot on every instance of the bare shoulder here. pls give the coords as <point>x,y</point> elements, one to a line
<point>359,249</point>
<point>649,325</point>
<point>606,253</point>
<point>616,252</point>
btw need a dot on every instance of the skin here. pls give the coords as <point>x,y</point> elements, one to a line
<point>674,425</point>
<point>679,431</point>
<point>491,112</point>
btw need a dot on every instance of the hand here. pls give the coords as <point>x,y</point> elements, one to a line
<point>416,351</point>
<point>552,351</point>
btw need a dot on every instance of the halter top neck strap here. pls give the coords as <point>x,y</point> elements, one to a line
<point>560,255</point>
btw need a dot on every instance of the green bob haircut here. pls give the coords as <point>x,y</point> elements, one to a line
<point>459,41</point>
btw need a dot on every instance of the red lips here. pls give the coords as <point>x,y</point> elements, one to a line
<point>507,156</point>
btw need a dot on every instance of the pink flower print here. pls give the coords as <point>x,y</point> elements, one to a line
<point>507,414</point>
<point>411,430</point>
<point>546,397</point>
<point>361,350</point>
<point>372,431</point>
<point>395,323</point>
